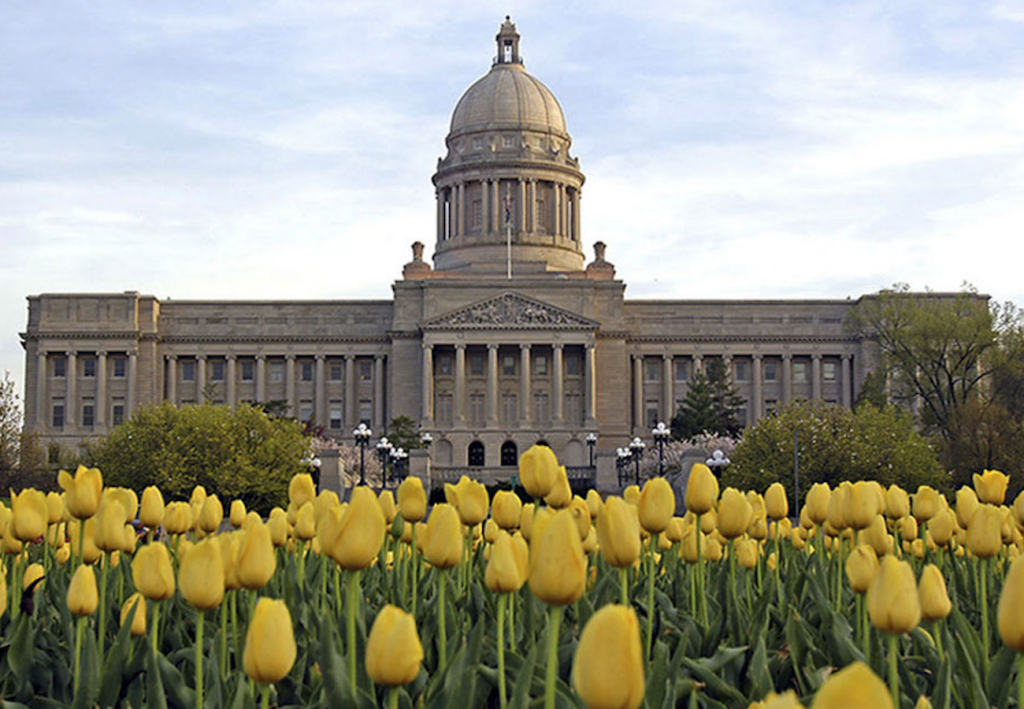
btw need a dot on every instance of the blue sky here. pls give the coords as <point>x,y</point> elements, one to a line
<point>761,149</point>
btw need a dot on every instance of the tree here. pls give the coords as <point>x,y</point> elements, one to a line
<point>10,427</point>
<point>241,453</point>
<point>728,401</point>
<point>402,433</point>
<point>711,405</point>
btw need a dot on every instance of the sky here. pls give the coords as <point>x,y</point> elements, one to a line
<point>250,149</point>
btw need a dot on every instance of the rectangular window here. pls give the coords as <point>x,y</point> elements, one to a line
<point>58,413</point>
<point>510,141</point>
<point>741,415</point>
<point>541,412</point>
<point>188,370</point>
<point>365,371</point>
<point>305,411</point>
<point>573,408</point>
<point>800,372</point>
<point>444,365</point>
<point>88,412</point>
<point>335,419</point>
<point>277,371</point>
<point>508,365</point>
<point>476,365</point>
<point>117,412</point>
<point>365,411</point>
<point>120,365</point>
<point>248,370</point>
<point>540,366</point>
<point>444,408</point>
<point>771,370</point>
<point>770,405</point>
<point>828,371</point>
<point>652,370</point>
<point>60,364</point>
<point>741,370</point>
<point>217,370</point>
<point>88,366</point>
<point>478,213</point>
<point>306,370</point>
<point>651,413</point>
<point>337,371</point>
<point>509,408</point>
<point>476,408</point>
<point>572,365</point>
<point>682,369</point>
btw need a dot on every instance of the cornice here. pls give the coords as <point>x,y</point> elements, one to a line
<point>362,339</point>
<point>740,338</point>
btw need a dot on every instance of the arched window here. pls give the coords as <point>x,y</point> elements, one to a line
<point>509,453</point>
<point>476,453</point>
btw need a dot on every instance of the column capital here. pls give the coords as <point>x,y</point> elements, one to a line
<point>260,357</point>
<point>786,356</point>
<point>71,353</point>
<point>525,347</point>
<point>198,356</point>
<point>230,356</point>
<point>667,357</point>
<point>426,346</point>
<point>757,356</point>
<point>319,357</point>
<point>591,345</point>
<point>557,346</point>
<point>132,353</point>
<point>815,356</point>
<point>460,346</point>
<point>350,358</point>
<point>101,353</point>
<point>172,357</point>
<point>289,357</point>
<point>847,356</point>
<point>493,346</point>
<point>376,357</point>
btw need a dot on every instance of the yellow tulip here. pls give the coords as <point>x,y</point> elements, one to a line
<point>657,505</point>
<point>278,526</point>
<point>138,602</point>
<point>776,501</point>
<point>926,503</point>
<point>581,516</point>
<point>412,500</point>
<point>746,553</point>
<point>631,495</point>
<point>991,486</point>
<point>237,514</point>
<point>29,514</point>
<point>90,551</point>
<point>865,504</point>
<point>109,534</point>
<point>128,499</point>
<point>893,603</point>
<point>877,537</point>
<point>63,554</point>
<point>908,528</point>
<point>984,533</point>
<point>33,572</point>
<point>935,603</point>
<point>305,522</point>
<point>443,547</point>
<point>3,594</point>
<point>256,561</point>
<point>506,507</point>
<point>861,567</point>
<point>1010,619</point>
<point>772,562</point>
<point>966,505</point>
<point>590,543</point>
<point>594,503</point>
<point>386,500</point>
<point>701,489</point>
<point>674,530</point>
<point>83,597</point>
<point>561,494</point>
<point>211,514</point>
<point>301,489</point>
<point>201,575</point>
<point>526,520</point>
<point>618,534</point>
<point>54,508</point>
<point>504,572</point>
<point>855,687</point>
<point>734,513</point>
<point>83,491</point>
<point>269,643</point>
<point>361,534</point>
<point>538,470</point>
<point>942,527</point>
<point>897,502</point>
<point>558,569</point>
<point>470,500</point>
<point>840,506</point>
<point>393,650</point>
<point>151,514</point>
<point>608,668</point>
<point>786,700</point>
<point>818,502</point>
<point>229,544</point>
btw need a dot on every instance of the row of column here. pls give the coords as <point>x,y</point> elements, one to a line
<point>525,384</point>
<point>756,378</point>
<point>320,390</point>
<point>452,208</point>
<point>71,392</point>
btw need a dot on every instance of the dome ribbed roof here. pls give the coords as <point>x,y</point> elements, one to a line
<point>508,97</point>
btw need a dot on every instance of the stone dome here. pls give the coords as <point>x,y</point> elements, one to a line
<point>508,97</point>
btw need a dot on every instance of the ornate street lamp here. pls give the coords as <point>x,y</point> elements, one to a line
<point>313,464</point>
<point>426,440</point>
<point>622,458</point>
<point>398,458</point>
<point>384,449</point>
<point>362,435</point>
<point>717,462</point>
<point>636,448</point>
<point>661,434</point>
<point>591,441</point>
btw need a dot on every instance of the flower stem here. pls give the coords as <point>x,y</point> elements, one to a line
<point>983,573</point>
<point>102,622</point>
<point>555,613</point>
<point>415,565</point>
<point>442,630</point>
<point>393,698</point>
<point>79,634</point>
<point>155,627</point>
<point>265,695</point>
<point>502,602</point>
<point>650,594</point>
<point>624,584</point>
<point>200,616</point>
<point>350,613</point>
<point>1020,682</point>
<point>894,677</point>
<point>224,638</point>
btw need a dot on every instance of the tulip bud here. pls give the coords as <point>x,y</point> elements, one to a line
<point>305,522</point>
<point>470,500</point>
<point>1011,600</point>
<point>90,551</point>
<point>734,513</point>
<point>855,687</point>
<point>269,643</point>
<point>608,668</point>
<point>674,530</point>
<point>33,573</point>
<point>892,598</point>
<point>657,505</point>
<point>991,486</point>
<point>137,602</point>
<point>526,520</point>
<point>818,502</point>
<point>746,553</point>
<point>301,489</point>
<point>505,571</point>
<point>840,506</point>
<point>109,534</point>
<point>701,489</point>
<point>758,528</point>
<point>966,505</point>
<point>877,537</point>
<point>278,526</point>
<point>82,596</point>
<point>83,491</point>
<point>211,514</point>
<point>594,503</point>
<point>256,561</point>
<point>558,569</point>
<point>506,508</point>
<point>984,533</point>
<point>942,526</point>
<point>865,504</point>
<point>151,513</point>
<point>201,575</point>
<point>618,534</point>
<point>581,516</point>
<point>861,567</point>
<point>237,514</point>
<point>393,650</point>
<point>444,537</point>
<point>29,514</point>
<point>926,503</point>
<point>935,603</point>
<point>361,534</point>
<point>386,500</point>
<point>908,528</point>
<point>776,501</point>
<point>631,495</point>
<point>897,502</point>
<point>54,508</point>
<point>412,500</point>
<point>538,470</point>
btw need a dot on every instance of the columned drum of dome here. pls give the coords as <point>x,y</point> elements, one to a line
<point>508,186</point>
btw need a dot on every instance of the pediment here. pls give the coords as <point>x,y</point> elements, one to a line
<point>510,311</point>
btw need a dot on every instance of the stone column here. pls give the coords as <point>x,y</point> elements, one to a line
<point>787,378</point>
<point>845,382</point>
<point>521,211</point>
<point>462,209</point>
<point>100,411</point>
<point>133,373</point>
<point>487,215</point>
<point>427,405</point>
<point>460,383</point>
<point>351,399</point>
<point>816,377</point>
<point>698,362</point>
<point>71,405</point>
<point>289,384</point>
<point>757,375</point>
<point>576,217</point>
<point>525,395</point>
<point>439,198</point>
<point>231,393</point>
<point>378,392</point>
<point>496,207</point>
<point>492,384</point>
<point>590,385</point>
<point>668,396</point>
<point>557,392</point>
<point>638,394</point>
<point>320,392</point>
<point>200,377</point>
<point>172,379</point>
<point>558,209</point>
<point>531,209</point>
<point>41,376</point>
<point>261,378</point>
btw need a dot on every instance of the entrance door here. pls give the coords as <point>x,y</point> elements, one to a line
<point>509,453</point>
<point>476,453</point>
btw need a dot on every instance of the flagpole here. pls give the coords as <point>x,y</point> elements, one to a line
<point>508,227</point>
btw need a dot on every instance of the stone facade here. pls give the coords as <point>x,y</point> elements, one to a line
<point>508,339</point>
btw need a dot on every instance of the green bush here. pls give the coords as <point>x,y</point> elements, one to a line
<point>836,444</point>
<point>242,454</point>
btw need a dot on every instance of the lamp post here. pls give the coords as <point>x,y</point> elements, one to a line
<point>661,434</point>
<point>591,441</point>
<point>362,435</point>
<point>622,457</point>
<point>398,457</point>
<point>426,440</point>
<point>384,448</point>
<point>717,463</point>
<point>636,449</point>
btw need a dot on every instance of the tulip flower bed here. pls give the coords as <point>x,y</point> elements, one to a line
<point>872,598</point>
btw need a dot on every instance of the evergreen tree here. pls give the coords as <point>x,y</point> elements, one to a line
<point>698,412</point>
<point>727,400</point>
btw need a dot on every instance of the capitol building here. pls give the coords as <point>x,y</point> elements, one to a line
<point>515,333</point>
